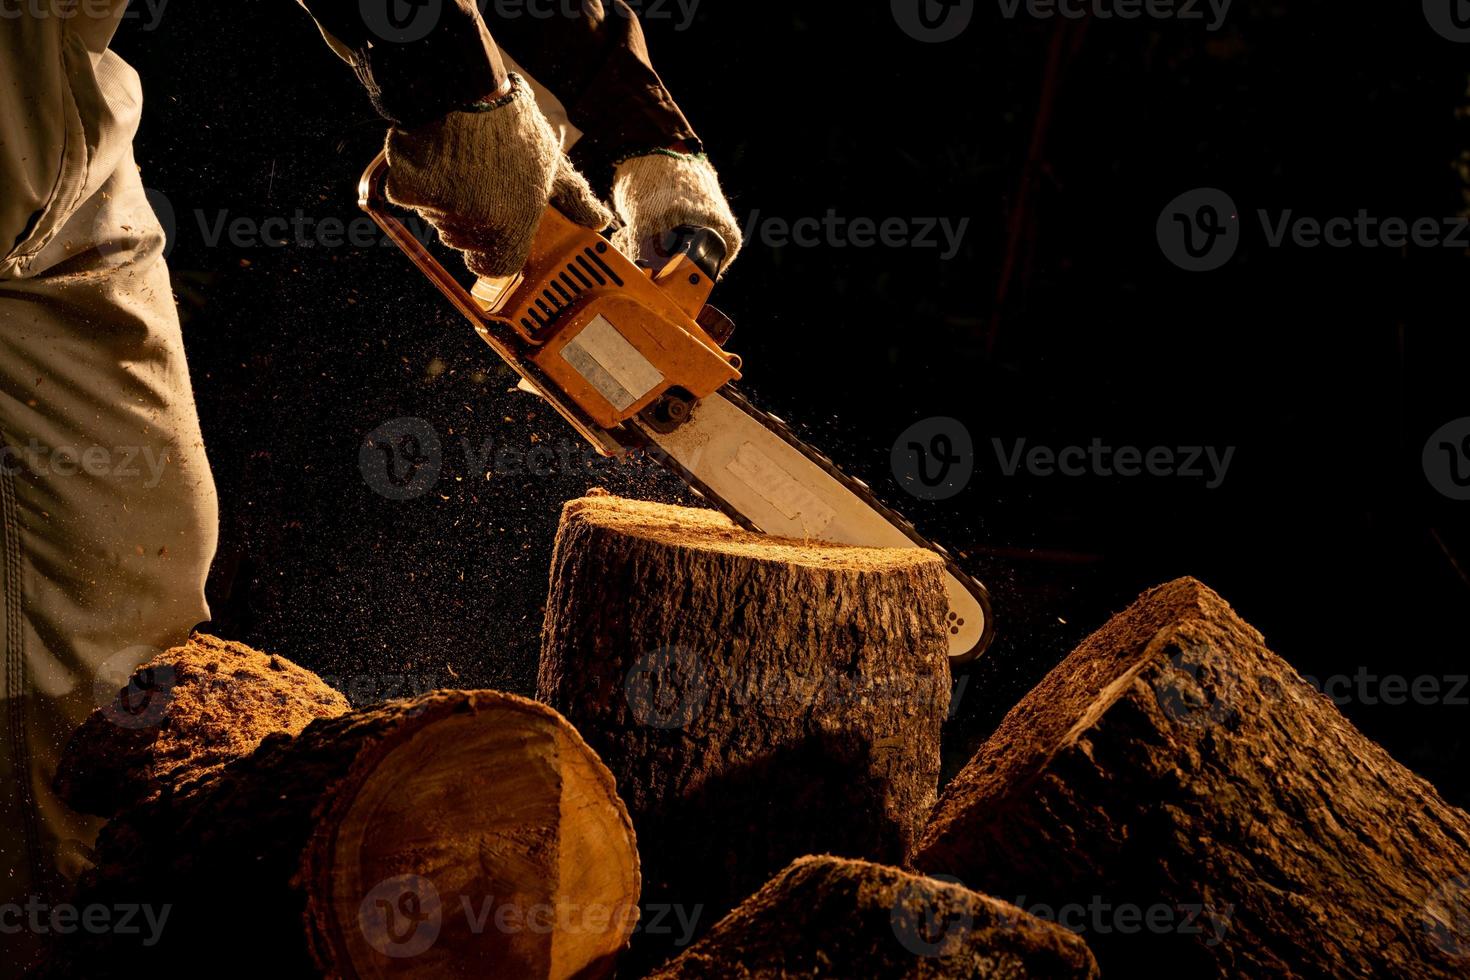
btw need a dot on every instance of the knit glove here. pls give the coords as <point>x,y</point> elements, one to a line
<point>483,177</point>
<point>659,192</point>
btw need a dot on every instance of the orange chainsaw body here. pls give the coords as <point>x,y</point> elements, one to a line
<point>601,338</point>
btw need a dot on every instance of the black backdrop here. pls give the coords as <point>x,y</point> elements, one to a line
<point>1326,369</point>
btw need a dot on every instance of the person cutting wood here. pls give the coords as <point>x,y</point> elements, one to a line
<point>107,503</point>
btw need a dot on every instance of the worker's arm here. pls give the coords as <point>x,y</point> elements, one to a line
<point>597,64</point>
<point>438,58</point>
<point>596,61</point>
<point>468,148</point>
<point>439,77</point>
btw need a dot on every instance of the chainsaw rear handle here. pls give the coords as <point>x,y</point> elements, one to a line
<point>705,247</point>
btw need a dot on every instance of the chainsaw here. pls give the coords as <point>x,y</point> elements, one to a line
<point>634,359</point>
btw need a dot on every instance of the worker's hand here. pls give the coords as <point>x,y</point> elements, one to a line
<point>483,178</point>
<point>664,190</point>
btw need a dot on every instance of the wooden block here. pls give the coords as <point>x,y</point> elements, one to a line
<point>758,699</point>
<point>828,917</point>
<point>384,842</point>
<point>1174,765</point>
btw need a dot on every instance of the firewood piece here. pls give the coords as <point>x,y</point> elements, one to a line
<point>455,835</point>
<point>184,715</point>
<point>757,699</point>
<point>829,917</point>
<point>1175,764</point>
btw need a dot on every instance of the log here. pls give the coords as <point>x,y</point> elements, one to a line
<point>183,716</point>
<point>828,917</point>
<point>455,835</point>
<point>1175,767</point>
<point>758,699</point>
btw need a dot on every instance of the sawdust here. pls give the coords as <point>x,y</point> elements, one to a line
<point>184,715</point>
<point>710,530</point>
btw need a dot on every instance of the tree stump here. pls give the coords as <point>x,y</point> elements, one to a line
<point>757,699</point>
<point>828,917</point>
<point>184,715</point>
<point>455,835</point>
<point>1175,767</point>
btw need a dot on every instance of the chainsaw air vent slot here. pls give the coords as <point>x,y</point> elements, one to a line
<point>600,270</point>
<point>586,271</point>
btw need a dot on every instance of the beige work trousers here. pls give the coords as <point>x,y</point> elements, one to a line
<point>108,515</point>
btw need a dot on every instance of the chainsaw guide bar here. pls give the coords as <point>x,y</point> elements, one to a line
<point>754,490</point>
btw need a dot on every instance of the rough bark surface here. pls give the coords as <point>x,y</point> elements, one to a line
<point>184,715</point>
<point>757,699</point>
<point>1173,766</point>
<point>828,917</point>
<point>454,835</point>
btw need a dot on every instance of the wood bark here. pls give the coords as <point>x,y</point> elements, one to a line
<point>829,917</point>
<point>184,715</point>
<point>757,699</point>
<point>454,835</point>
<point>1175,769</point>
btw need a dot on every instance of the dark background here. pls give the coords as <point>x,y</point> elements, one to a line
<point>1326,369</point>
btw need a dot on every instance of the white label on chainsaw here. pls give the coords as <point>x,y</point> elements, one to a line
<point>610,364</point>
<point>779,489</point>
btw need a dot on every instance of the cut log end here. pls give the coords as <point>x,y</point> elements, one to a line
<point>709,531</point>
<point>499,805</point>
